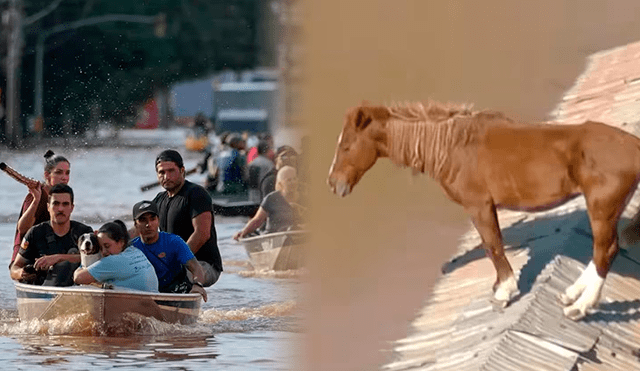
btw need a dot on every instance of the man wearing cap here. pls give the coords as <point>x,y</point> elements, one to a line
<point>168,253</point>
<point>186,209</point>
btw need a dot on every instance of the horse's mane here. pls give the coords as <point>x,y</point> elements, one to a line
<point>421,135</point>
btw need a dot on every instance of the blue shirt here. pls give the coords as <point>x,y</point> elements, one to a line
<point>129,269</point>
<point>167,255</point>
<point>231,164</point>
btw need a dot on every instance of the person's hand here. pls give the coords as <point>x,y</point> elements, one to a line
<point>238,235</point>
<point>36,192</point>
<point>46,262</point>
<point>200,290</point>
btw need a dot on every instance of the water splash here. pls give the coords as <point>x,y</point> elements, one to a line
<point>270,310</point>
<point>291,273</point>
<point>131,324</point>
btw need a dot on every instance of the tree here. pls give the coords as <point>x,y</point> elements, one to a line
<point>118,65</point>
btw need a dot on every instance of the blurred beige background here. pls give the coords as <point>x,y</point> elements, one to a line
<point>377,252</point>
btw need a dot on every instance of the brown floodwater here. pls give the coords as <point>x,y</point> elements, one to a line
<point>377,252</point>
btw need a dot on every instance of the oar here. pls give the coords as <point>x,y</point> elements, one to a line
<point>29,182</point>
<point>149,186</point>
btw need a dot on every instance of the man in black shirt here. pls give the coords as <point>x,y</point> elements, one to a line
<point>186,209</point>
<point>49,254</point>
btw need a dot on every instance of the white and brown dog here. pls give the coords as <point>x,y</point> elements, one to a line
<point>89,249</point>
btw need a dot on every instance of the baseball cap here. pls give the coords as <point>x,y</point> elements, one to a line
<point>144,207</point>
<point>170,155</point>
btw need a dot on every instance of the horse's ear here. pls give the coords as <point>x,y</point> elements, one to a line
<point>363,119</point>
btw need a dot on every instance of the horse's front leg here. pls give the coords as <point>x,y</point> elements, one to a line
<point>485,220</point>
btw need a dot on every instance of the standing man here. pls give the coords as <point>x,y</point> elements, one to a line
<point>49,254</point>
<point>259,167</point>
<point>186,209</point>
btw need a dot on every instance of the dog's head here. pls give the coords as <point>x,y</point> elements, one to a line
<point>88,244</point>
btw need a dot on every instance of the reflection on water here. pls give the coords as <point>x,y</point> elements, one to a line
<point>77,352</point>
<point>247,351</point>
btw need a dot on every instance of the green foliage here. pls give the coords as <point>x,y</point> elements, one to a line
<point>118,65</point>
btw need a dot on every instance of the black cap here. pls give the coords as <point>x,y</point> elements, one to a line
<point>170,155</point>
<point>144,207</point>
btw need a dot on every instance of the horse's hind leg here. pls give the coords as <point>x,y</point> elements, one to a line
<point>486,222</point>
<point>630,235</point>
<point>584,294</point>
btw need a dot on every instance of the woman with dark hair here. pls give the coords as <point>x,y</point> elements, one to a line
<point>122,265</point>
<point>34,207</point>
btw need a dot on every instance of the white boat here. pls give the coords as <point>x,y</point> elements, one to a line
<point>106,306</point>
<point>276,251</point>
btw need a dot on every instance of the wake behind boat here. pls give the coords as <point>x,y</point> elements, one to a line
<point>106,306</point>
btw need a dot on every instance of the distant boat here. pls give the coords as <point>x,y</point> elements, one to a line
<point>233,204</point>
<point>277,251</point>
<point>106,306</point>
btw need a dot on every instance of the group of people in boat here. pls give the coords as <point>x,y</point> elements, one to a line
<point>243,164</point>
<point>171,248</point>
<point>274,179</point>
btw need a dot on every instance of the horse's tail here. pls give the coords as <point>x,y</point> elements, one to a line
<point>630,233</point>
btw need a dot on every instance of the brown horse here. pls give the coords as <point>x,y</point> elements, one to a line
<point>484,161</point>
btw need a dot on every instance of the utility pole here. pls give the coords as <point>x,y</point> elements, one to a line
<point>13,129</point>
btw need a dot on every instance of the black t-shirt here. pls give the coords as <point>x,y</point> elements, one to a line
<point>281,215</point>
<point>175,214</point>
<point>38,237</point>
<point>268,183</point>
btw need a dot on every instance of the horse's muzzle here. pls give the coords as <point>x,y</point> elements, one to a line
<point>338,186</point>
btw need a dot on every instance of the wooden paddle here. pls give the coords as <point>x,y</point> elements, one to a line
<point>29,182</point>
<point>149,186</point>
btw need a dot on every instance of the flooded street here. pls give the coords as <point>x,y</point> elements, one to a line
<point>251,321</point>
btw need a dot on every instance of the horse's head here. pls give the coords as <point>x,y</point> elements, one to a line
<point>361,142</point>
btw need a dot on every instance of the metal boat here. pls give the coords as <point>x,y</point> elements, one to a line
<point>106,306</point>
<point>233,204</point>
<point>276,251</point>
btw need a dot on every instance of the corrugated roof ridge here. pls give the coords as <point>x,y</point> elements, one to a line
<point>542,348</point>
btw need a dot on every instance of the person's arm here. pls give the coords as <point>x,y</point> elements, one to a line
<point>253,224</point>
<point>201,231</point>
<point>17,271</point>
<point>48,261</point>
<point>82,277</point>
<point>198,276</point>
<point>28,218</point>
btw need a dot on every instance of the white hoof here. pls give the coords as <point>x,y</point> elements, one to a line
<point>569,296</point>
<point>574,313</point>
<point>506,290</point>
<point>573,292</point>
<point>584,295</point>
